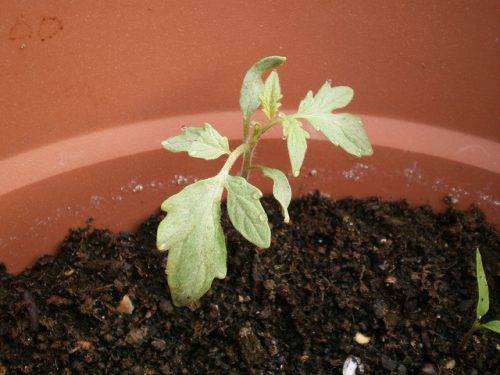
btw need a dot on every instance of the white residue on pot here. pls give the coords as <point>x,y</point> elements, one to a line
<point>356,173</point>
<point>457,193</point>
<point>413,174</point>
<point>95,200</point>
<point>133,186</point>
<point>487,198</point>
<point>180,179</point>
<point>137,188</point>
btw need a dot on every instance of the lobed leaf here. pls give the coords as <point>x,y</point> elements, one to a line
<point>493,325</point>
<point>343,129</point>
<point>193,234</point>
<point>483,299</point>
<point>281,189</point>
<point>246,212</point>
<point>271,95</point>
<point>296,138</point>
<point>199,142</point>
<point>253,85</point>
<point>327,99</point>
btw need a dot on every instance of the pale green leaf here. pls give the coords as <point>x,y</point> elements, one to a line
<point>296,138</point>
<point>271,95</point>
<point>253,85</point>
<point>343,129</point>
<point>327,99</point>
<point>192,234</point>
<point>493,325</point>
<point>483,298</point>
<point>246,212</point>
<point>199,142</point>
<point>281,189</point>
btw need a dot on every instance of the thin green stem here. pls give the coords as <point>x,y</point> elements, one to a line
<point>270,125</point>
<point>233,156</point>
<point>246,130</point>
<point>252,142</point>
<point>476,326</point>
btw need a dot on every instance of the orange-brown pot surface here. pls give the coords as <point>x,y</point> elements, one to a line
<point>88,90</point>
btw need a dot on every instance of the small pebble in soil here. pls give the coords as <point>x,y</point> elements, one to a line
<point>450,365</point>
<point>391,280</point>
<point>353,366</point>
<point>428,369</point>
<point>361,339</point>
<point>126,306</point>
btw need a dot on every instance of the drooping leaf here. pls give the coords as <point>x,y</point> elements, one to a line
<point>281,189</point>
<point>493,325</point>
<point>253,85</point>
<point>343,129</point>
<point>271,95</point>
<point>246,211</point>
<point>199,142</point>
<point>296,138</point>
<point>192,234</point>
<point>483,298</point>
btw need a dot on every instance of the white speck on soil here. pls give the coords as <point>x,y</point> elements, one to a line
<point>361,339</point>
<point>352,366</point>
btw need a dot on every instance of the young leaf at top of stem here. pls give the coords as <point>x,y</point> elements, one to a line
<point>282,191</point>
<point>192,233</point>
<point>492,325</point>
<point>296,138</point>
<point>483,298</point>
<point>343,129</point>
<point>271,95</point>
<point>246,212</point>
<point>253,85</point>
<point>199,142</point>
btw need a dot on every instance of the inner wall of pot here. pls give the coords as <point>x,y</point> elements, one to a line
<point>118,177</point>
<point>88,90</point>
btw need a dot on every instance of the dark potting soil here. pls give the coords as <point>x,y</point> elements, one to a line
<point>403,277</point>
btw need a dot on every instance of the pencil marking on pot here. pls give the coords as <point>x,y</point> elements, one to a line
<point>20,30</point>
<point>49,27</point>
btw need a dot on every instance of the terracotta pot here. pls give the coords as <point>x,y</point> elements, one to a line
<point>89,89</point>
